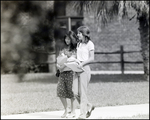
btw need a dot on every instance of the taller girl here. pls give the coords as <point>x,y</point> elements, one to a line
<point>85,54</point>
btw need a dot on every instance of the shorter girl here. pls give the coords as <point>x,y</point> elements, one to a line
<point>64,87</point>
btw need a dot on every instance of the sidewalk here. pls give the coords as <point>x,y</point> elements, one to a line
<point>110,112</point>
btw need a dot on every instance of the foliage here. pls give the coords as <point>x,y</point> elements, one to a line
<point>24,24</point>
<point>107,10</point>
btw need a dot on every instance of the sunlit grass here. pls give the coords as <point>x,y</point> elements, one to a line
<point>40,94</point>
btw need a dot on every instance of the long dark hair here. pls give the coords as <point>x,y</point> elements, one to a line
<point>73,38</point>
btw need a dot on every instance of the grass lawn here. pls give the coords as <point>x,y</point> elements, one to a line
<point>39,93</point>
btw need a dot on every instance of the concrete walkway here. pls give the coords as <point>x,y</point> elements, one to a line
<point>110,112</point>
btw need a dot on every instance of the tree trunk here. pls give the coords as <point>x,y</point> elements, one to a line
<point>144,33</point>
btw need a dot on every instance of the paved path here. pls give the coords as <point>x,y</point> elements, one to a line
<point>98,113</point>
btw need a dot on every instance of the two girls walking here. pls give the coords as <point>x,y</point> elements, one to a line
<point>78,82</point>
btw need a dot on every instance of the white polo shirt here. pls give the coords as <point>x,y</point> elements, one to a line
<point>83,50</point>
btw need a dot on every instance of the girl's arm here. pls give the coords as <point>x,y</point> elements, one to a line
<point>61,67</point>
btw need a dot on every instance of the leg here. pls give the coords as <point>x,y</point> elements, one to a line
<point>61,92</point>
<point>64,102</point>
<point>75,87</point>
<point>84,81</point>
<point>76,90</point>
<point>70,92</point>
<point>72,114</point>
<point>73,105</point>
<point>78,98</point>
<point>89,106</point>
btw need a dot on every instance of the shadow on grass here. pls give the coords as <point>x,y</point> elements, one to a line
<point>98,78</point>
<point>52,81</point>
<point>118,78</point>
<point>44,79</point>
<point>51,78</point>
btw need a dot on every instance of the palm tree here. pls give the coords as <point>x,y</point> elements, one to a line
<point>107,10</point>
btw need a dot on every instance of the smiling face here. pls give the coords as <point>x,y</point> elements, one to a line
<point>67,40</point>
<point>80,36</point>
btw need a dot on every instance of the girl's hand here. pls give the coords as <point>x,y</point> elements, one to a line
<point>58,66</point>
<point>80,65</point>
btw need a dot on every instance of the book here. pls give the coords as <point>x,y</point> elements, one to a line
<point>61,59</point>
<point>74,66</point>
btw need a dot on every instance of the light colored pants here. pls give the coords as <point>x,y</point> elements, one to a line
<point>80,85</point>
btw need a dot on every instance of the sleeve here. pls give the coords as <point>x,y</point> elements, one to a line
<point>91,46</point>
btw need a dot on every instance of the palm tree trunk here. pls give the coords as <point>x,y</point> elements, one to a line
<point>144,33</point>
